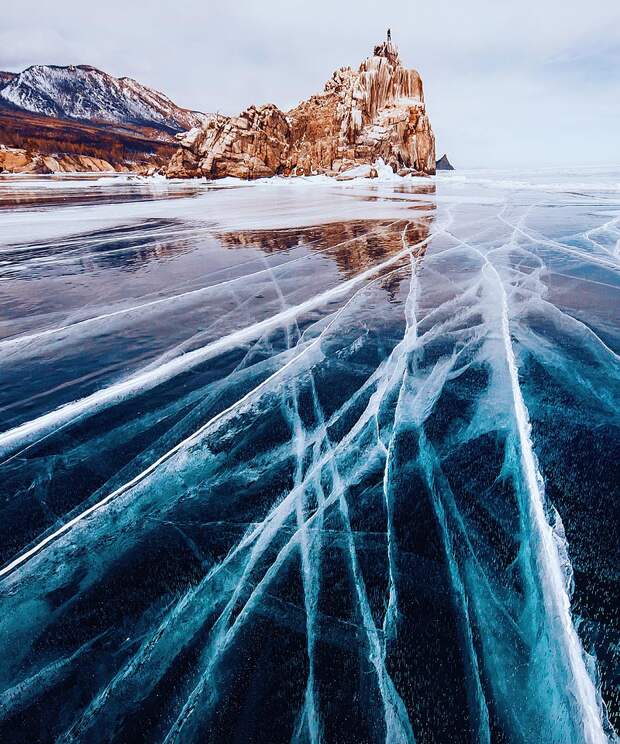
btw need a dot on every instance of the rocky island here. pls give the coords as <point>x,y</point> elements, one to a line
<point>376,112</point>
<point>444,164</point>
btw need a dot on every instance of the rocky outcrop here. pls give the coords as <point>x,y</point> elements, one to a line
<point>17,160</point>
<point>444,164</point>
<point>79,145</point>
<point>376,112</point>
<point>252,145</point>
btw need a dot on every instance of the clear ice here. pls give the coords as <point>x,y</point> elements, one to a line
<point>307,461</point>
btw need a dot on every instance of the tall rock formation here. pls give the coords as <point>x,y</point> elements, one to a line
<point>375,112</point>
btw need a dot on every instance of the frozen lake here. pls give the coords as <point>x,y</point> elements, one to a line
<point>302,461</point>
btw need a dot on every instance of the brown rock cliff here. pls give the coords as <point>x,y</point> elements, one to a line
<point>375,112</point>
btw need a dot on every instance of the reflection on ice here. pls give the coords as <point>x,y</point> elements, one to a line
<point>311,462</point>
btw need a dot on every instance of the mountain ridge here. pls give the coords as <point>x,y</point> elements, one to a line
<point>86,93</point>
<point>6,77</point>
<point>60,118</point>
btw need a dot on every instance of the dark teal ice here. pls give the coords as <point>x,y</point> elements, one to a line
<point>307,461</point>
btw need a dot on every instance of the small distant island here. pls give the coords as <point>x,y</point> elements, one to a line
<point>444,164</point>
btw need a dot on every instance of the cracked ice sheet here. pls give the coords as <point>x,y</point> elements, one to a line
<point>290,462</point>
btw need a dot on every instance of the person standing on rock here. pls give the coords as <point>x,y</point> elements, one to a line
<point>389,35</point>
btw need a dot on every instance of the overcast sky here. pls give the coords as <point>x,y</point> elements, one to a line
<point>507,83</point>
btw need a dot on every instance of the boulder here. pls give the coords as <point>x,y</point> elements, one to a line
<point>360,171</point>
<point>15,160</point>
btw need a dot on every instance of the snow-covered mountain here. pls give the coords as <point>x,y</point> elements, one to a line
<point>84,92</point>
<point>6,77</point>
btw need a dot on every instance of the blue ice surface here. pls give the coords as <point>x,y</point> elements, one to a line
<point>310,461</point>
